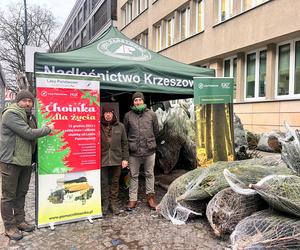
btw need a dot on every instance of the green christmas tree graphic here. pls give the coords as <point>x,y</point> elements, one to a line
<point>53,149</point>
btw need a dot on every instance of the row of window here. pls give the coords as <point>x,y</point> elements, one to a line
<point>95,24</point>
<point>183,23</point>
<point>79,19</point>
<point>230,8</point>
<point>226,10</point>
<point>132,9</point>
<point>287,71</point>
<point>181,19</point>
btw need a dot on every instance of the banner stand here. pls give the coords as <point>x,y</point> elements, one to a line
<point>213,99</point>
<point>68,184</point>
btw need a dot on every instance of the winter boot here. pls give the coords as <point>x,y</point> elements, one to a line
<point>25,226</point>
<point>131,205</point>
<point>151,201</point>
<point>114,208</point>
<point>13,233</point>
<point>105,207</point>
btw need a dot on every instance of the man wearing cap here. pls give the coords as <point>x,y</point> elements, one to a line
<point>17,145</point>
<point>114,156</point>
<point>142,129</point>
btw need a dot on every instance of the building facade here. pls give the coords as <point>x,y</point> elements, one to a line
<point>255,41</point>
<point>87,20</point>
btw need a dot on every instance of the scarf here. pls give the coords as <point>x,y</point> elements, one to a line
<point>139,109</point>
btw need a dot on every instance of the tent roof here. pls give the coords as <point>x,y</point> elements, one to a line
<point>123,66</point>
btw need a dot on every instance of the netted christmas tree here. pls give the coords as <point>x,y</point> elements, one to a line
<point>53,150</point>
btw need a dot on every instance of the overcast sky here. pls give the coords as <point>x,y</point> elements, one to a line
<point>60,8</point>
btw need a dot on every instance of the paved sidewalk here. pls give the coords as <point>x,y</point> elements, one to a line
<point>139,229</point>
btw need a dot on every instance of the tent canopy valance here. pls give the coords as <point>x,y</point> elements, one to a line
<point>124,66</point>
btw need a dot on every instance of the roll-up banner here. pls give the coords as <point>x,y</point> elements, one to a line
<point>68,173</point>
<point>213,99</point>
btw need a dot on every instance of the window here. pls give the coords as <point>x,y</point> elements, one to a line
<point>283,69</point>
<point>248,4</point>
<point>138,8</point>
<point>75,24</point>
<point>123,10</point>
<point>288,67</point>
<point>250,76</point>
<point>225,9</point>
<point>145,39</point>
<point>262,73</point>
<point>297,69</point>
<point>229,70</point>
<point>185,23</point>
<point>100,18</point>
<point>80,18</point>
<point>256,74</point>
<point>84,36</point>
<point>137,39</point>
<point>68,35</point>
<point>128,12</point>
<point>200,16</point>
<point>170,32</point>
<point>144,4</point>
<point>142,39</point>
<point>85,10</point>
<point>158,32</point>
<point>77,42</point>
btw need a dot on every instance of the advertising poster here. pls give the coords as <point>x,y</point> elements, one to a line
<point>213,98</point>
<point>68,197</point>
<point>69,158</point>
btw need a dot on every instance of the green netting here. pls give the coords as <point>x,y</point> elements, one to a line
<point>266,230</point>
<point>212,180</point>
<point>291,149</point>
<point>227,208</point>
<point>282,192</point>
<point>189,193</point>
<point>177,134</point>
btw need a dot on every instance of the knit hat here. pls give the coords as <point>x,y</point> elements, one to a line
<point>24,94</point>
<point>138,95</point>
<point>107,108</point>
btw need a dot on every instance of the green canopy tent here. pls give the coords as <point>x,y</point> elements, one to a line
<point>123,67</point>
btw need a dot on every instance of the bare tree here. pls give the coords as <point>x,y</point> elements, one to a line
<point>41,26</point>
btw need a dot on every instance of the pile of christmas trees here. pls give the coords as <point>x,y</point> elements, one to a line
<point>257,201</point>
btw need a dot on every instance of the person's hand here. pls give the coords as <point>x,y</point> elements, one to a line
<point>51,125</point>
<point>124,164</point>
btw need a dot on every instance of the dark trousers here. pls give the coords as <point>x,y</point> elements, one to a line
<point>110,176</point>
<point>15,184</point>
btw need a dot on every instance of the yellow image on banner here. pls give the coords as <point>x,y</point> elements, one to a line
<point>213,133</point>
<point>213,98</point>
<point>66,197</point>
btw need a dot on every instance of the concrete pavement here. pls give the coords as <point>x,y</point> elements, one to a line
<point>139,229</point>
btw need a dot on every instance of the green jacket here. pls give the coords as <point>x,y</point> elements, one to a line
<point>142,130</point>
<point>17,137</point>
<point>113,153</point>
